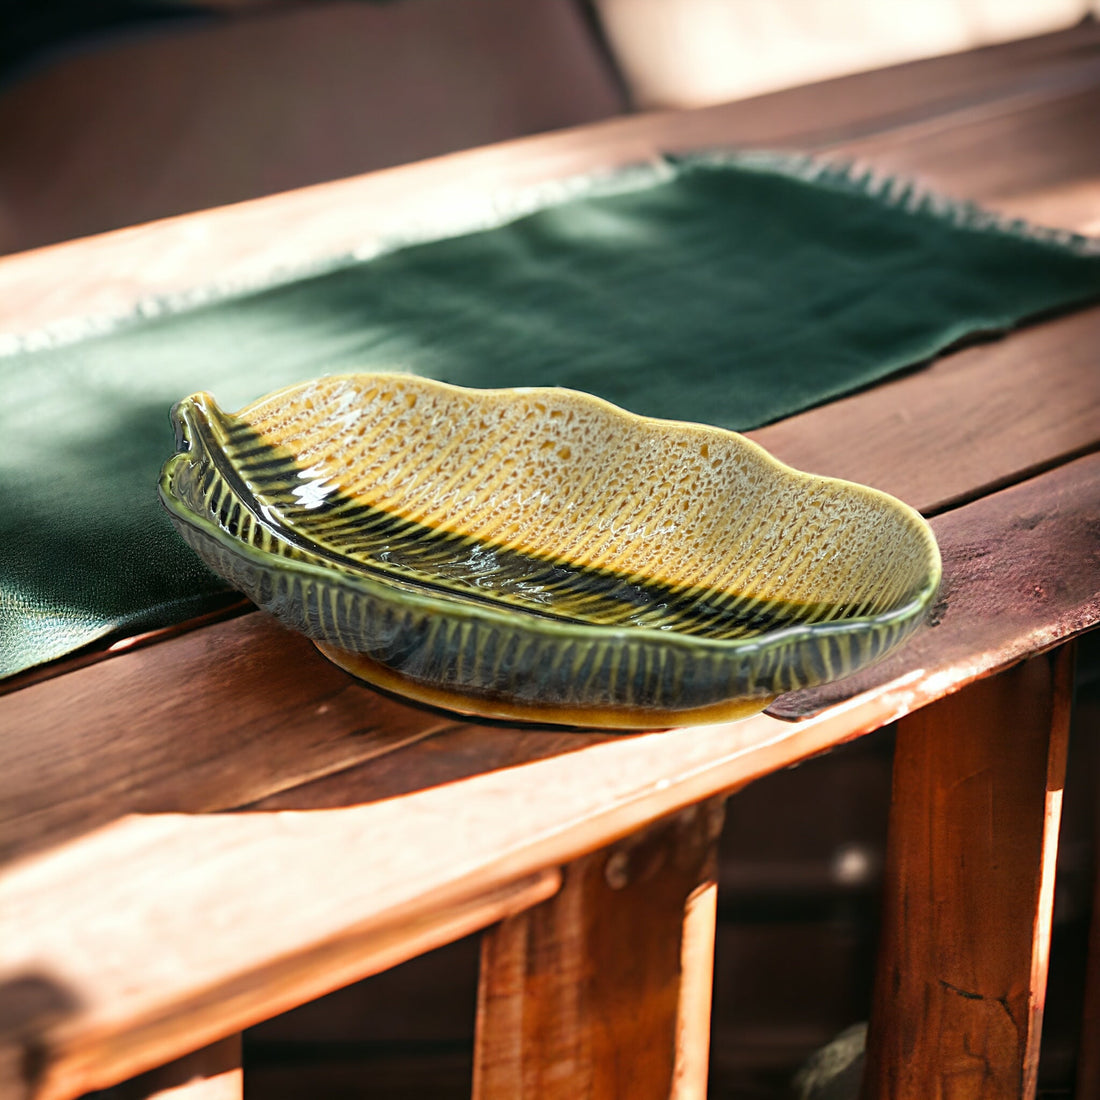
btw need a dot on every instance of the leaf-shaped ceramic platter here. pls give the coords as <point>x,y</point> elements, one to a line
<point>540,554</point>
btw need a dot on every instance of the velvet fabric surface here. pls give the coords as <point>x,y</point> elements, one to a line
<point>732,291</point>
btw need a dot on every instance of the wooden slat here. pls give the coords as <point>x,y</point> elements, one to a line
<point>969,891</point>
<point>969,424</point>
<point>1048,136</point>
<point>611,966</point>
<point>106,275</point>
<point>369,882</point>
<point>324,925</point>
<point>698,931</point>
<point>221,716</point>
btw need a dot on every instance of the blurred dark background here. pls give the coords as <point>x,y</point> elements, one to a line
<point>115,112</point>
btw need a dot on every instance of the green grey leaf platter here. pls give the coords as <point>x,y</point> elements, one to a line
<point>540,554</point>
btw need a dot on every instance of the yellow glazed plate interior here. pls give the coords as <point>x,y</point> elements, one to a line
<point>541,554</point>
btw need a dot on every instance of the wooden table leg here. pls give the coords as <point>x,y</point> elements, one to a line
<point>603,992</point>
<point>213,1073</point>
<point>962,968</point>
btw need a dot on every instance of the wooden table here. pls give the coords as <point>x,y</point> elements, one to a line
<point>138,925</point>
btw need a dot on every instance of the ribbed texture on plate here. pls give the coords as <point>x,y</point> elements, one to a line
<point>542,548</point>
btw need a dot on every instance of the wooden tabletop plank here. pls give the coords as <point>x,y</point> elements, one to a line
<point>1010,91</point>
<point>91,1043</point>
<point>212,719</point>
<point>972,422</point>
<point>1009,153</point>
<point>140,986</point>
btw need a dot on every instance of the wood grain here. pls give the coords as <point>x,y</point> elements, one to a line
<point>588,994</point>
<point>141,987</point>
<point>218,717</point>
<point>1048,135</point>
<point>969,890</point>
<point>320,927</point>
<point>965,426</point>
<point>252,242</point>
<point>698,930</point>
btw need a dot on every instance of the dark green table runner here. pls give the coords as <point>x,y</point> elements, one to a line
<point>731,291</point>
